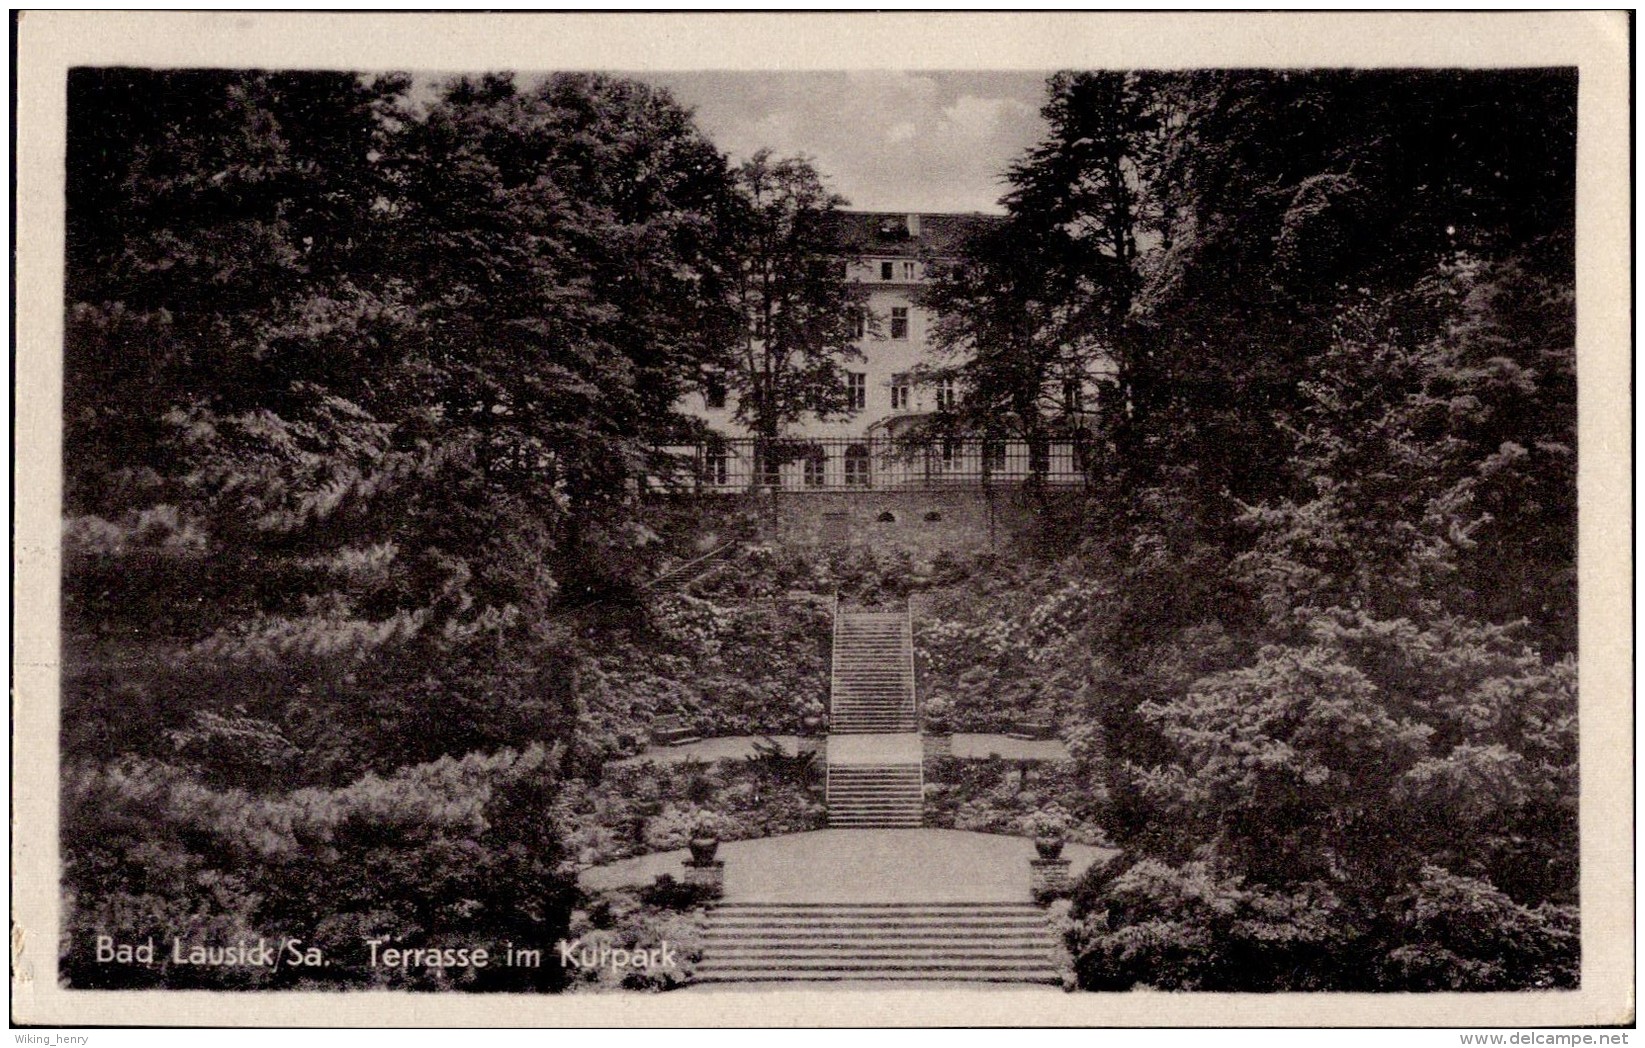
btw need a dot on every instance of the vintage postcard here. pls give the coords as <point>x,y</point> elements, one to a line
<point>765,520</point>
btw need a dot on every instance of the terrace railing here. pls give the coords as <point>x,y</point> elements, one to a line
<point>847,464</point>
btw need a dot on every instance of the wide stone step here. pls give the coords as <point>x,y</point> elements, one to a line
<point>923,926</point>
<point>936,942</point>
<point>814,975</point>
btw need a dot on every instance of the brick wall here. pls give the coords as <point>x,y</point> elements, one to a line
<point>923,522</point>
<point>960,520</point>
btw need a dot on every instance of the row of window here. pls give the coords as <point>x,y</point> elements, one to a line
<point>899,324</point>
<point>858,470</point>
<point>856,388</point>
<point>813,469</point>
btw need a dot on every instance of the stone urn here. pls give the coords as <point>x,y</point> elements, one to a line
<point>1049,846</point>
<point>703,849</point>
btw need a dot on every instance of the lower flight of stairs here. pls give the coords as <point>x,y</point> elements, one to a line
<point>927,942</point>
<point>875,796</point>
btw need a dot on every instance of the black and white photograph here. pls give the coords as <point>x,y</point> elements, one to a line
<point>1074,533</point>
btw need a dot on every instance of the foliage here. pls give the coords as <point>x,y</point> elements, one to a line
<point>1323,654</point>
<point>668,894</point>
<point>799,313</point>
<point>355,389</point>
<point>644,806</point>
<point>455,853</point>
<point>990,796</point>
<point>637,920</point>
<point>724,667</point>
<point>1005,649</point>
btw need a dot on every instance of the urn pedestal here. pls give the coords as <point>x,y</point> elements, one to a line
<point>1048,877</point>
<point>709,874</point>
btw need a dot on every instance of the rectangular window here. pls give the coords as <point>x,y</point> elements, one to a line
<point>908,271</point>
<point>993,456</point>
<point>771,472</point>
<point>714,391</point>
<point>856,390</point>
<point>816,464</point>
<point>946,395</point>
<point>950,447</point>
<point>857,473</point>
<point>716,470</point>
<point>1071,400</point>
<point>886,270</point>
<point>1039,458</point>
<point>899,392</point>
<point>899,322</point>
<point>862,325</point>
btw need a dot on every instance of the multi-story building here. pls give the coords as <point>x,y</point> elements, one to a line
<point>890,387</point>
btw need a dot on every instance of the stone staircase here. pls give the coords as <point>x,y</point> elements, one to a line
<point>924,942</point>
<point>872,689</point>
<point>875,796</point>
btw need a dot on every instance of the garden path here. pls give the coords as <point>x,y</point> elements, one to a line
<point>823,866</point>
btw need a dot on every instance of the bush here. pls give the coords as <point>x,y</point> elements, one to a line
<point>987,796</point>
<point>666,893</point>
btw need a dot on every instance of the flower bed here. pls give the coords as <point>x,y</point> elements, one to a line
<point>649,807</point>
<point>620,925</point>
<point>1004,650</point>
<point>988,796</point>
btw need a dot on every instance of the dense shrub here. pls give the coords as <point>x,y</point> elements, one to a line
<point>645,806</point>
<point>989,796</point>
<point>649,918</point>
<point>455,853</point>
<point>1007,647</point>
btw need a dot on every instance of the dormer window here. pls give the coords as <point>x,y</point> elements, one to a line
<point>887,270</point>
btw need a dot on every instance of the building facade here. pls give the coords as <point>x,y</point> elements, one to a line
<point>889,387</point>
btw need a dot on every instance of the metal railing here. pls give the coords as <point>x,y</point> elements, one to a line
<point>834,464</point>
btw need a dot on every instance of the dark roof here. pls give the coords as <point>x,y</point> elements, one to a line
<point>885,233</point>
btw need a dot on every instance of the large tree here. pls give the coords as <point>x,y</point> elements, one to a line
<point>353,389</point>
<point>800,312</point>
<point>1037,310</point>
<point>564,246</point>
<point>1347,424</point>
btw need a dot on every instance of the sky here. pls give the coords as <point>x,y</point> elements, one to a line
<point>887,141</point>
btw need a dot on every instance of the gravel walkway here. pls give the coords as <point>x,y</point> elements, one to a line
<point>861,866</point>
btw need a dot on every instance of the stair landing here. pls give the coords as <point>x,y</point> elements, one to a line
<point>886,748</point>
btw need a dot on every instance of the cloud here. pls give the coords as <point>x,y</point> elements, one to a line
<point>887,140</point>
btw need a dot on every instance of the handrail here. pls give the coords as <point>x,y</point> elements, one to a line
<point>914,696</point>
<point>913,684</point>
<point>676,571</point>
<point>834,660</point>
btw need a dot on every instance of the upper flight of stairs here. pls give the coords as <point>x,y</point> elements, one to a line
<point>947,942</point>
<point>873,674</point>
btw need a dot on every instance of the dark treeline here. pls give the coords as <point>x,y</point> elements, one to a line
<point>1335,507</point>
<point>357,389</point>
